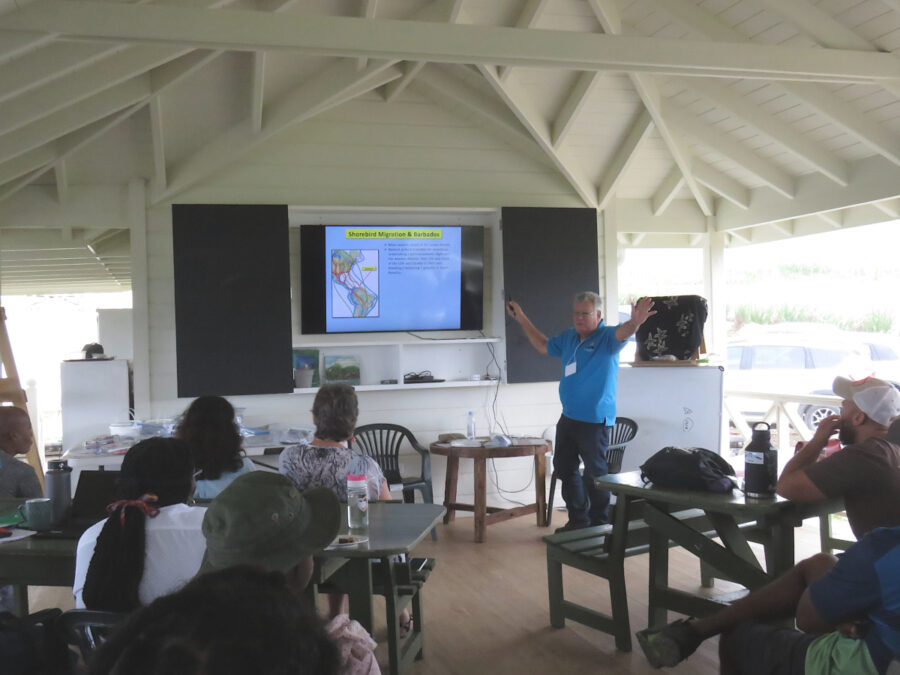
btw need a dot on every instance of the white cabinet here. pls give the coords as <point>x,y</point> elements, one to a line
<point>455,361</point>
<point>95,393</point>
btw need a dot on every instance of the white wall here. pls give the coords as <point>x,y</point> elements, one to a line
<point>523,409</point>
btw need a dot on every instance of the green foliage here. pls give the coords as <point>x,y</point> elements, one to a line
<point>873,322</point>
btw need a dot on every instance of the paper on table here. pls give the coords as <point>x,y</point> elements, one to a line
<point>16,535</point>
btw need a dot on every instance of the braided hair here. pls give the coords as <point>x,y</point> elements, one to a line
<point>156,467</point>
<point>229,622</point>
<point>209,429</point>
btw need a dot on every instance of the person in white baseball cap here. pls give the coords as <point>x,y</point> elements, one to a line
<point>866,473</point>
<point>878,399</point>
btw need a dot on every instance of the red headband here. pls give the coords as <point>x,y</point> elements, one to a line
<point>144,504</point>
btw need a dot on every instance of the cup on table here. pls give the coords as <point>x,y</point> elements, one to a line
<point>38,513</point>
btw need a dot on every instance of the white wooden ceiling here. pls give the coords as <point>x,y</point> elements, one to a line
<point>776,117</point>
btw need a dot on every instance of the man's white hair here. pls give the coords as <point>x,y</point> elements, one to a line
<point>591,297</point>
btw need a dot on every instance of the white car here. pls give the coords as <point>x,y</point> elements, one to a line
<point>792,363</point>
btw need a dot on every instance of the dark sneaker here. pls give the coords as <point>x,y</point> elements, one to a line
<point>670,645</point>
<point>568,527</point>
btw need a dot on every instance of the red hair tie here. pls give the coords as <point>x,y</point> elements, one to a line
<point>145,504</point>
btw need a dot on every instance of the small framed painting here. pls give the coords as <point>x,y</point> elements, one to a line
<point>342,369</point>
<point>306,368</point>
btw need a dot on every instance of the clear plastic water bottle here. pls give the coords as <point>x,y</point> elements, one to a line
<point>470,426</point>
<point>357,503</point>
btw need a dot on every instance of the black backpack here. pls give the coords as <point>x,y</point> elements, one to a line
<point>33,645</point>
<point>688,469</point>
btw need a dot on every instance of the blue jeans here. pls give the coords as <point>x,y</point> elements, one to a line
<point>578,442</point>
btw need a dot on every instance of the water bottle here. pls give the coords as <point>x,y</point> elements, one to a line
<point>760,463</point>
<point>470,426</point>
<point>58,487</point>
<point>357,503</point>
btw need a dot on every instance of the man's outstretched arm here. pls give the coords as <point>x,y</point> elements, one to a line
<point>537,339</point>
<point>640,312</point>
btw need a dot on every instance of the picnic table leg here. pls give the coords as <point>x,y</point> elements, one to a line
<point>617,592</point>
<point>657,615</point>
<point>450,481</point>
<point>356,576</point>
<point>780,549</point>
<point>540,488</point>
<point>480,498</point>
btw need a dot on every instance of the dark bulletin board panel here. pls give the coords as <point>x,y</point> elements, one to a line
<point>549,255</point>
<point>232,299</point>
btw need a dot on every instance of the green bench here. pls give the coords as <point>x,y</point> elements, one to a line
<point>594,550</point>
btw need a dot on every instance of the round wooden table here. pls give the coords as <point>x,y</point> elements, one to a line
<point>488,515</point>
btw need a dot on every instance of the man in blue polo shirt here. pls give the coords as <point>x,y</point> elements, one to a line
<point>589,352</point>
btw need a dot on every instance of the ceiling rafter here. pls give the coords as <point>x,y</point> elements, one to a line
<point>610,20</point>
<point>623,157</point>
<point>157,134</point>
<point>772,127</point>
<point>51,97</point>
<point>889,207</point>
<point>528,18</point>
<point>48,64</point>
<point>70,143</point>
<point>722,184</point>
<point>872,179</point>
<point>820,99</point>
<point>330,87</point>
<point>667,190</point>
<point>573,105</point>
<point>727,146</point>
<point>257,86</point>
<point>449,91</point>
<point>367,10</point>
<point>61,175</point>
<point>442,42</point>
<point>515,99</point>
<point>826,30</point>
<point>439,10</point>
<point>74,117</point>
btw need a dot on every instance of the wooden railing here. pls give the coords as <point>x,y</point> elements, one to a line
<point>782,413</point>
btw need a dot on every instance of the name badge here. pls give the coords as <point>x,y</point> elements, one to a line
<point>570,369</point>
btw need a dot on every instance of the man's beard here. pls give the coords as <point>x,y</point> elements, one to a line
<point>846,434</point>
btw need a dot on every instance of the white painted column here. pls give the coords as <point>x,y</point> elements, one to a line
<point>140,313</point>
<point>609,258</point>
<point>714,286</point>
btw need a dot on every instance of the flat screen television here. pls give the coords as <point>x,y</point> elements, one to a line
<point>366,278</point>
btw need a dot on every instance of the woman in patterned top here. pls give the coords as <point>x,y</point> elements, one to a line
<point>327,460</point>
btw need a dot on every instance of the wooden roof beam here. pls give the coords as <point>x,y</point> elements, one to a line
<point>332,86</point>
<point>772,127</point>
<point>623,157</point>
<point>451,43</point>
<point>528,18</point>
<point>822,100</point>
<point>608,15</point>
<point>517,102</point>
<point>665,193</point>
<point>727,146</point>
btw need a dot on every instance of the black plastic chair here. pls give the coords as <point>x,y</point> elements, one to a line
<point>382,442</point>
<point>87,629</point>
<point>622,433</point>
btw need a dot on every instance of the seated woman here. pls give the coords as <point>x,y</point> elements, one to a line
<point>209,429</point>
<point>327,460</point>
<point>151,543</point>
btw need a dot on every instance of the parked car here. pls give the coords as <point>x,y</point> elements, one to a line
<point>793,363</point>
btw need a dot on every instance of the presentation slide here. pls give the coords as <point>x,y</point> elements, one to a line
<point>392,278</point>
